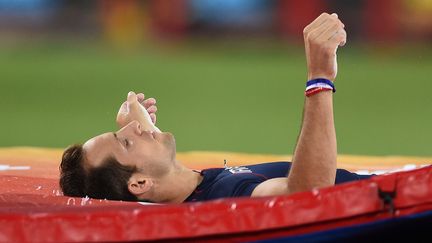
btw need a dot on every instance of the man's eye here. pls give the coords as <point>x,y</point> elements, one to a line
<point>126,143</point>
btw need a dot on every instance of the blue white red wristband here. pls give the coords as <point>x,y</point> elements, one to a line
<point>320,83</point>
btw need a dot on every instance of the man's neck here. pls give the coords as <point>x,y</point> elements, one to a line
<point>177,185</point>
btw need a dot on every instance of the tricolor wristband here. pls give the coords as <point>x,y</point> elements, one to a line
<point>319,85</point>
<point>320,82</point>
<point>316,90</point>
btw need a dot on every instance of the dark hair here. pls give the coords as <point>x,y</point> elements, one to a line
<point>108,181</point>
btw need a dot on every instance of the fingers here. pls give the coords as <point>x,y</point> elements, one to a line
<point>150,105</point>
<point>131,102</point>
<point>329,27</point>
<point>320,24</point>
<point>336,36</point>
<point>330,32</point>
<point>317,22</point>
<point>321,20</point>
<point>152,109</point>
<point>341,37</point>
<point>131,97</point>
<point>321,30</point>
<point>134,99</point>
<point>153,117</point>
<point>140,97</point>
<point>123,107</point>
<point>148,102</point>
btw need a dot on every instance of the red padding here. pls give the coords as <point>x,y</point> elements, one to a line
<point>39,215</point>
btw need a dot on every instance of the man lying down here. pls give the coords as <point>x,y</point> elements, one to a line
<point>138,162</point>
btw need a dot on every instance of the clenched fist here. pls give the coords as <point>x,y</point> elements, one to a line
<point>322,38</point>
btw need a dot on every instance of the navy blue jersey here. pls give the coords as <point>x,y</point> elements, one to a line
<point>240,181</point>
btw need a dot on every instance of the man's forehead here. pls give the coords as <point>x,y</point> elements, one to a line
<point>98,148</point>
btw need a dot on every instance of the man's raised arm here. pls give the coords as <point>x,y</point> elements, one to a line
<point>314,158</point>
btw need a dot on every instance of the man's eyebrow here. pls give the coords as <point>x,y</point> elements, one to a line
<point>115,136</point>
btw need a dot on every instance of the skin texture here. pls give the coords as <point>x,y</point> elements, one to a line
<point>161,178</point>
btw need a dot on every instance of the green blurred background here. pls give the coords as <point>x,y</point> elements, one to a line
<point>241,93</point>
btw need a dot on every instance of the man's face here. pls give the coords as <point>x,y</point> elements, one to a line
<point>151,153</point>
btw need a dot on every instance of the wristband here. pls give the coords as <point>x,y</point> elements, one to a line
<point>320,82</point>
<point>318,85</point>
<point>316,90</point>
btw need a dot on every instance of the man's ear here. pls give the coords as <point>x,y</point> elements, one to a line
<point>139,184</point>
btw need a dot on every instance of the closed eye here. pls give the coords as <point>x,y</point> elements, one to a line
<point>125,142</point>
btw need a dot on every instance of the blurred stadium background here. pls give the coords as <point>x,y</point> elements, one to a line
<point>228,74</point>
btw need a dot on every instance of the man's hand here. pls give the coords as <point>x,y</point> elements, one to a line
<point>322,38</point>
<point>125,115</point>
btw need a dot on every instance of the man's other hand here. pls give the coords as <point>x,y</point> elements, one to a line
<point>322,38</point>
<point>124,117</point>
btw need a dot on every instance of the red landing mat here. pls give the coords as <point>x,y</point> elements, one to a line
<point>32,209</point>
